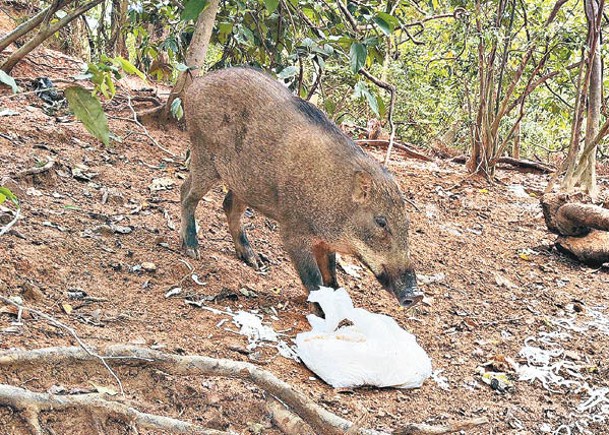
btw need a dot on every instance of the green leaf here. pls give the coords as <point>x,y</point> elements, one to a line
<point>193,8</point>
<point>182,67</point>
<point>381,105</point>
<point>88,110</point>
<point>5,194</point>
<point>358,55</point>
<point>271,5</point>
<point>8,80</point>
<point>288,72</point>
<point>176,108</point>
<point>387,23</point>
<point>129,68</point>
<point>362,91</point>
<point>372,102</point>
<point>435,4</point>
<point>110,84</point>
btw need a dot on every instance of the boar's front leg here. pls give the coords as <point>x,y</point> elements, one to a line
<point>234,208</point>
<point>326,261</point>
<point>301,254</point>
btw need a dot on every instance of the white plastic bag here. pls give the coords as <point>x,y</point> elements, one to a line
<point>372,350</point>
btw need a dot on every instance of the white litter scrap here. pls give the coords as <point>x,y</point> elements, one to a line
<point>252,327</point>
<point>547,362</point>
<point>352,347</point>
<point>518,191</point>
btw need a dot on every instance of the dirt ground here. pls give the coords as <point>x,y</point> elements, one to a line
<point>90,222</point>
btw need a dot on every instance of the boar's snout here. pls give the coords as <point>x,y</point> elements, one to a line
<point>403,286</point>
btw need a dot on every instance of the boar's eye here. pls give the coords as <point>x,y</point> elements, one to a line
<point>381,222</point>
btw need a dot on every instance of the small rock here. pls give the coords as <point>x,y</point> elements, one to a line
<point>214,419</point>
<point>32,292</point>
<point>573,355</point>
<point>149,267</point>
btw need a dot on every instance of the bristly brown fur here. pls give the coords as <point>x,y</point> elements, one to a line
<point>282,156</point>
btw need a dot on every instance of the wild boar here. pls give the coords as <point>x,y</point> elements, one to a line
<point>281,156</point>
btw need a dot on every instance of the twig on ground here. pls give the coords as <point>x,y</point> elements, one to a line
<point>8,226</point>
<point>36,170</point>
<point>61,325</point>
<point>145,131</point>
<point>32,403</point>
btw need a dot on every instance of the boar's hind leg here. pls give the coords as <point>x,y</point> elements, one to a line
<point>193,189</point>
<point>326,261</point>
<point>234,208</point>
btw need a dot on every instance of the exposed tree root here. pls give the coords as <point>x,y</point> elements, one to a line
<point>72,332</point>
<point>414,429</point>
<point>575,223</point>
<point>321,420</point>
<point>591,249</point>
<point>145,130</point>
<point>288,422</point>
<point>31,404</point>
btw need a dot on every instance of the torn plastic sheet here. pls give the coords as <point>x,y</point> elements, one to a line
<point>352,347</point>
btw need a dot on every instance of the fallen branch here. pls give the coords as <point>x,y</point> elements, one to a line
<point>591,249</point>
<point>407,150</point>
<point>36,170</point>
<point>321,420</point>
<point>526,164</point>
<point>31,404</point>
<point>572,217</point>
<point>29,25</point>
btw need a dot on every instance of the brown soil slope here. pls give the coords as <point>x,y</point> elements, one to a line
<point>92,220</point>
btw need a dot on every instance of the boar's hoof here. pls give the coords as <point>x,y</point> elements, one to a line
<point>250,260</point>
<point>316,309</point>
<point>192,252</point>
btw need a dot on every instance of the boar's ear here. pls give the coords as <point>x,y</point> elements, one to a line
<point>362,185</point>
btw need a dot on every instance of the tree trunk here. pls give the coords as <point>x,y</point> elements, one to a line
<point>195,60</point>
<point>116,44</point>
<point>516,143</point>
<point>45,32</point>
<point>588,179</point>
<point>582,170</point>
<point>24,28</point>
